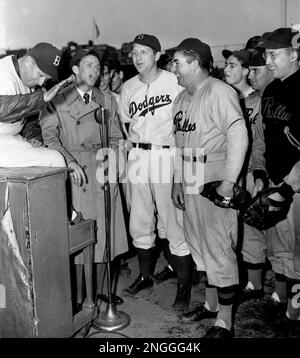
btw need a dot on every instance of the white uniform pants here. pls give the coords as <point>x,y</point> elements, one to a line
<point>150,174</point>
<point>15,151</point>
<point>282,244</point>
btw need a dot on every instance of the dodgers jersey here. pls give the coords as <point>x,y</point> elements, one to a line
<point>148,108</point>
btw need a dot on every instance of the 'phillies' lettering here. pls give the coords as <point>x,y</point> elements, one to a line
<point>149,105</point>
<point>186,126</point>
<point>249,112</point>
<point>274,111</point>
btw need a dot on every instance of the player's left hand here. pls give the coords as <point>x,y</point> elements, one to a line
<point>35,142</point>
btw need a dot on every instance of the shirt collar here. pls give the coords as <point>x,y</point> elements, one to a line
<point>82,93</point>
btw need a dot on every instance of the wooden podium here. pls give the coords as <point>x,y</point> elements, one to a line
<point>35,285</point>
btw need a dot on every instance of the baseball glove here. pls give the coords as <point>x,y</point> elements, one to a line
<point>258,213</point>
<point>239,200</point>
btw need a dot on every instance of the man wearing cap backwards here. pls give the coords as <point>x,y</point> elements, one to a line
<point>70,127</point>
<point>280,115</point>
<point>146,103</point>
<point>211,132</point>
<point>254,241</point>
<point>17,78</point>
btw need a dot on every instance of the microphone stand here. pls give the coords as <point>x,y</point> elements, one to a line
<point>111,319</point>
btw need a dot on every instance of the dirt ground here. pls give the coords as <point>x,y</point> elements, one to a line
<point>152,316</point>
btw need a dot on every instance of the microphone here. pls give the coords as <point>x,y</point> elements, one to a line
<point>102,118</point>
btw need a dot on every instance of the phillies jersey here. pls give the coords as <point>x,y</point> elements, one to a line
<point>281,113</point>
<point>202,120</point>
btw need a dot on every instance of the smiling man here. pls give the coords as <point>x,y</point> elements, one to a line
<point>281,137</point>
<point>208,117</point>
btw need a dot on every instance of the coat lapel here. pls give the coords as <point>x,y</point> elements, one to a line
<point>77,106</point>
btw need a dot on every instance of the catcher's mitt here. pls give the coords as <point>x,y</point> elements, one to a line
<point>239,200</point>
<point>258,213</point>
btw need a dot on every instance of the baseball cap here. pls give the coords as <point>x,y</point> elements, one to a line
<point>279,38</point>
<point>252,43</point>
<point>196,45</point>
<point>78,55</point>
<point>262,39</point>
<point>47,58</point>
<point>243,55</point>
<point>257,59</point>
<point>148,40</point>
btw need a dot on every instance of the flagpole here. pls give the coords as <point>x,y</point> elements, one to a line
<point>95,31</point>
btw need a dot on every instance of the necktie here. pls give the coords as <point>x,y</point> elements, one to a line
<point>86,98</point>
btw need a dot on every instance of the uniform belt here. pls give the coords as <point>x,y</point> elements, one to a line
<point>207,158</point>
<point>149,146</point>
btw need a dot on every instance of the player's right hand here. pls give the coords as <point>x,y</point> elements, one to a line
<point>52,92</point>
<point>178,196</point>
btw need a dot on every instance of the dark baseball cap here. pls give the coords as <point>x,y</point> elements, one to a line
<point>257,59</point>
<point>279,38</point>
<point>148,40</point>
<point>80,54</point>
<point>262,39</point>
<point>195,45</point>
<point>252,43</point>
<point>242,55</point>
<point>47,58</point>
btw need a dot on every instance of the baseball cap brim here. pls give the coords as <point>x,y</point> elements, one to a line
<point>273,44</point>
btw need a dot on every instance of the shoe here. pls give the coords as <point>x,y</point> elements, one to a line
<point>198,314</point>
<point>116,300</point>
<point>138,285</point>
<point>219,332</point>
<point>182,299</point>
<point>247,295</point>
<point>78,218</point>
<point>164,275</point>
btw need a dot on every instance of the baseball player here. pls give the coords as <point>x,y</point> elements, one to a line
<point>281,137</point>
<point>254,241</point>
<point>17,78</point>
<point>207,116</point>
<point>146,103</point>
<point>236,71</point>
